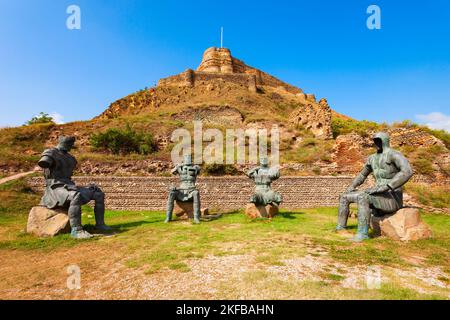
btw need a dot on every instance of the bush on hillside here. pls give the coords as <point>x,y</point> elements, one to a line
<point>40,118</point>
<point>125,141</point>
<point>220,169</point>
<point>341,126</point>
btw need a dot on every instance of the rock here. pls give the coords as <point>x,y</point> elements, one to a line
<point>404,225</point>
<point>314,117</point>
<point>187,208</point>
<point>414,137</point>
<point>44,222</point>
<point>348,153</point>
<point>253,211</point>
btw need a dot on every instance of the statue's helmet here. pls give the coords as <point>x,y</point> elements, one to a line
<point>381,140</point>
<point>264,161</point>
<point>66,143</point>
<point>187,159</point>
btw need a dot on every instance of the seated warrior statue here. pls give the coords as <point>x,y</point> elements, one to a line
<point>61,191</point>
<point>263,177</point>
<point>391,171</point>
<point>186,192</point>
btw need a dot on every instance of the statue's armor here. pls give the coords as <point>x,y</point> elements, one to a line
<point>263,177</point>
<point>391,171</point>
<point>61,191</point>
<point>188,176</point>
<point>187,191</point>
<point>58,175</point>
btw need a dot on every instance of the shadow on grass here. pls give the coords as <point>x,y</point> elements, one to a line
<point>120,227</point>
<point>290,215</point>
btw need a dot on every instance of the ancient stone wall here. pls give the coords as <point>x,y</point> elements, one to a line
<point>217,63</point>
<point>314,117</point>
<point>224,193</point>
<point>191,78</point>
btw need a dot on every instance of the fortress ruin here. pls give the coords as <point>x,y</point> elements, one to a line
<point>217,63</point>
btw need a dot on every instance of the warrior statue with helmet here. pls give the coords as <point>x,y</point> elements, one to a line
<point>61,191</point>
<point>187,191</point>
<point>263,177</point>
<point>391,171</point>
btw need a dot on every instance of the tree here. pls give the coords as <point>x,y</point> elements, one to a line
<point>40,118</point>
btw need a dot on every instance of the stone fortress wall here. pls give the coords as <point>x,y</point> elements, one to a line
<point>217,63</point>
<point>221,193</point>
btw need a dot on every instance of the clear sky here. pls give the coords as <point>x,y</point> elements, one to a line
<point>401,71</point>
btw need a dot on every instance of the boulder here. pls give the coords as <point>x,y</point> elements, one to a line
<point>404,225</point>
<point>253,211</point>
<point>187,208</point>
<point>44,222</point>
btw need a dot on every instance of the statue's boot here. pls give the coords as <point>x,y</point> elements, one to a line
<point>79,233</point>
<point>99,212</point>
<point>363,218</point>
<point>362,234</point>
<point>170,204</point>
<point>75,223</point>
<point>344,210</point>
<point>196,206</point>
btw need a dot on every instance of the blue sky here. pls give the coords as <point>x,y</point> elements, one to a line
<point>324,47</point>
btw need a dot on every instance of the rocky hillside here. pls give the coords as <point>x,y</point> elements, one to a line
<point>224,92</point>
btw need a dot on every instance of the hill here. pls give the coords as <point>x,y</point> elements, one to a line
<point>224,92</point>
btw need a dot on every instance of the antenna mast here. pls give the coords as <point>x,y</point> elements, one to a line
<point>221,37</point>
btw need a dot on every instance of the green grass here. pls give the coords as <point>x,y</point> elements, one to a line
<point>152,246</point>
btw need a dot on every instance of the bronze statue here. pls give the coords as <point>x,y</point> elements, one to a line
<point>61,191</point>
<point>391,171</point>
<point>263,177</point>
<point>186,192</point>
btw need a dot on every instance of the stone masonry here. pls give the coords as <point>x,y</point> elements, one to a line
<point>217,63</point>
<point>150,193</point>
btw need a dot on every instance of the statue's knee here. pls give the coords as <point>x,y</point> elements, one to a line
<point>343,199</point>
<point>99,196</point>
<point>363,197</point>
<point>76,200</point>
<point>172,194</point>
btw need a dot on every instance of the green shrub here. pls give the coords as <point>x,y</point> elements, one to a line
<point>363,128</point>
<point>126,141</point>
<point>309,142</point>
<point>435,196</point>
<point>220,169</point>
<point>423,166</point>
<point>440,134</point>
<point>40,118</point>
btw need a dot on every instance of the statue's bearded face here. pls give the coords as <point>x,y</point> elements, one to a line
<point>378,144</point>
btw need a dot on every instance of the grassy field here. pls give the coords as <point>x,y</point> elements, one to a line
<point>296,255</point>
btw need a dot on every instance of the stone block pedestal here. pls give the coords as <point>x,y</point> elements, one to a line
<point>253,211</point>
<point>187,208</point>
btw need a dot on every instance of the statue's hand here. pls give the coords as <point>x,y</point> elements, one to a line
<point>350,189</point>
